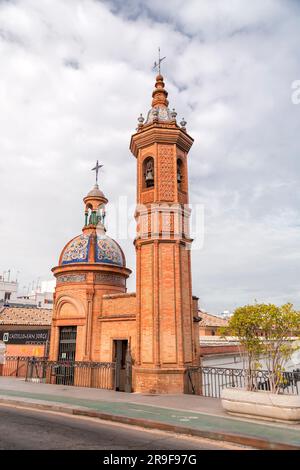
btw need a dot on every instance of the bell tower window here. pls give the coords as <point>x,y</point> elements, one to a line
<point>88,214</point>
<point>179,174</point>
<point>101,214</point>
<point>148,172</point>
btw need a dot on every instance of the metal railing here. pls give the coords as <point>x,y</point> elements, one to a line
<point>15,366</point>
<point>213,379</point>
<point>76,373</point>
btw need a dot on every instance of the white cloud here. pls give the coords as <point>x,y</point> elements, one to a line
<point>75,74</point>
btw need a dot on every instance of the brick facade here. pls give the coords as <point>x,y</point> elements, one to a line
<point>158,321</point>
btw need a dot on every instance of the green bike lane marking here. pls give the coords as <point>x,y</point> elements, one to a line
<point>193,420</point>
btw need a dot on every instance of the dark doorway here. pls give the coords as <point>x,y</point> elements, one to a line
<point>66,353</point>
<point>67,343</point>
<point>119,357</point>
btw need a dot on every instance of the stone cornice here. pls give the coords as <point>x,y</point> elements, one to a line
<point>156,133</point>
<point>90,267</point>
<point>159,238</point>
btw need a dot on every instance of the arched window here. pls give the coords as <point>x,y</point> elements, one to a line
<point>179,174</point>
<point>148,172</point>
<point>101,214</point>
<point>88,213</point>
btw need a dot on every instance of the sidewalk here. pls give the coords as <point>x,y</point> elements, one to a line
<point>187,414</point>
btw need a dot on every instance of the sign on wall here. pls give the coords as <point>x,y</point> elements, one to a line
<point>24,336</point>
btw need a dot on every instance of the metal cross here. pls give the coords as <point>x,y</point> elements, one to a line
<point>97,168</point>
<point>157,64</point>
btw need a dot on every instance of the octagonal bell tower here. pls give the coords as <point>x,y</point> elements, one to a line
<point>166,338</point>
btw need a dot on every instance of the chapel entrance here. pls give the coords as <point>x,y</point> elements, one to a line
<point>122,359</point>
<point>66,353</point>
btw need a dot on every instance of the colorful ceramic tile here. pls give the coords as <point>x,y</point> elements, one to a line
<point>108,251</point>
<point>77,251</point>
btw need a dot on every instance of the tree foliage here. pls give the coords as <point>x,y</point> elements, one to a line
<point>265,331</point>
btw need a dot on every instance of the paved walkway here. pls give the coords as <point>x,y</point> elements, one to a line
<point>180,413</point>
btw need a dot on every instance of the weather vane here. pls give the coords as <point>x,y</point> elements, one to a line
<point>97,168</point>
<point>157,64</point>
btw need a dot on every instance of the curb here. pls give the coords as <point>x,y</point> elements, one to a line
<point>248,441</point>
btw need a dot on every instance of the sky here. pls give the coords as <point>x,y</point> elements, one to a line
<point>76,74</point>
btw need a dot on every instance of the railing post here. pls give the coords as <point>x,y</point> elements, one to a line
<point>27,368</point>
<point>17,370</point>
<point>128,372</point>
<point>191,380</point>
<point>117,376</point>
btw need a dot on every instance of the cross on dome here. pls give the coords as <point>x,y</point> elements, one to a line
<point>97,168</point>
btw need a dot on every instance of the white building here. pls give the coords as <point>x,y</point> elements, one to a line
<point>42,297</point>
<point>8,290</point>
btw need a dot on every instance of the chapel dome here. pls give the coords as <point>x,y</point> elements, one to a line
<point>105,251</point>
<point>95,192</point>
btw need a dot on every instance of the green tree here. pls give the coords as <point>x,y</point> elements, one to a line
<point>265,331</point>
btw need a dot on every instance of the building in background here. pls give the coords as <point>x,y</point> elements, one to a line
<point>212,344</point>
<point>25,331</point>
<point>41,296</point>
<point>210,324</point>
<point>8,290</point>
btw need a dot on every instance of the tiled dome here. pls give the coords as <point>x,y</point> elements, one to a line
<point>107,251</point>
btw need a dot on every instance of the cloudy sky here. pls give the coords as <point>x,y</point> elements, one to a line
<point>75,74</point>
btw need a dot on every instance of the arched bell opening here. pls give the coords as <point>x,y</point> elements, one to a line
<point>88,213</point>
<point>179,174</point>
<point>101,214</point>
<point>148,173</point>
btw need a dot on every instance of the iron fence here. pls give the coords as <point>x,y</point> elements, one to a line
<point>76,373</point>
<point>15,366</point>
<point>213,379</point>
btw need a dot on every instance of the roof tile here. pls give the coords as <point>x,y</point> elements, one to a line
<point>25,316</point>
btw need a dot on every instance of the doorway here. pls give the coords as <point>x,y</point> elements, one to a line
<point>66,353</point>
<point>120,348</point>
<point>67,343</point>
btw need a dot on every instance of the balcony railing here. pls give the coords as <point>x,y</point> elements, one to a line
<point>213,379</point>
<point>76,373</point>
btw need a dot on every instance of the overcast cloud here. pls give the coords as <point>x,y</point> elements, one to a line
<point>75,74</point>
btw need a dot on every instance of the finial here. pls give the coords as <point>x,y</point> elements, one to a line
<point>173,114</point>
<point>97,168</point>
<point>183,123</point>
<point>157,64</point>
<point>141,119</point>
<point>159,94</point>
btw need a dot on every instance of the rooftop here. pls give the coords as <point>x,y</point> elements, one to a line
<point>25,316</point>
<point>211,320</point>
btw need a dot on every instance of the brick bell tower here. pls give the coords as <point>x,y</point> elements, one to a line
<point>167,313</point>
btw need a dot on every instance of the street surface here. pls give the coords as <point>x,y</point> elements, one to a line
<point>24,429</point>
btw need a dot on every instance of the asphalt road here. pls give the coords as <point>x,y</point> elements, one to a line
<point>24,429</point>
